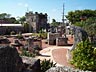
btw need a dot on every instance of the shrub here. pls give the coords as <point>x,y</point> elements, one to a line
<point>27,53</point>
<point>35,34</point>
<point>84,56</point>
<point>12,33</point>
<point>36,49</point>
<point>43,35</point>
<point>19,36</point>
<point>40,35</point>
<point>46,64</point>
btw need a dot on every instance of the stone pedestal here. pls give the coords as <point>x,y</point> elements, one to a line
<point>52,38</point>
<point>61,41</point>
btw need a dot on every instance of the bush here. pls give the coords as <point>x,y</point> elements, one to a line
<point>40,35</point>
<point>36,50</point>
<point>19,36</point>
<point>12,33</point>
<point>43,35</point>
<point>84,56</point>
<point>46,64</point>
<point>35,34</point>
<point>27,53</point>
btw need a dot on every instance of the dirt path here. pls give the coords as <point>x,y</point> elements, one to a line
<point>57,54</point>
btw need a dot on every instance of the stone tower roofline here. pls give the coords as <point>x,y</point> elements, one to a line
<point>31,12</point>
<point>36,21</point>
<point>36,12</point>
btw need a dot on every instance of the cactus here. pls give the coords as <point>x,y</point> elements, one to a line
<point>46,64</point>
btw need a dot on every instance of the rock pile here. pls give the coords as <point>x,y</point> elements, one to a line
<point>10,60</point>
<point>31,64</point>
<point>64,69</point>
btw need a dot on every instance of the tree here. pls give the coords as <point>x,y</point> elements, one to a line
<point>78,15</point>
<point>54,23</point>
<point>12,19</point>
<point>53,20</point>
<point>26,27</point>
<point>16,22</point>
<point>89,25</point>
<point>7,18</point>
<point>4,15</point>
<point>22,19</point>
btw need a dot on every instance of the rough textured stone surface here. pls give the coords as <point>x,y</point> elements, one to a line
<point>64,69</point>
<point>61,41</point>
<point>10,60</point>
<point>52,38</point>
<point>36,21</point>
<point>31,64</point>
<point>79,35</point>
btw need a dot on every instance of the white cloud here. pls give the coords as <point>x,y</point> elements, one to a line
<point>23,4</point>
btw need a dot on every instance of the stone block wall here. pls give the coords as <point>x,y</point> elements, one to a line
<point>52,38</point>
<point>61,41</point>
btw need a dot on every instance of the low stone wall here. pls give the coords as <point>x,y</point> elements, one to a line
<point>7,29</point>
<point>65,69</point>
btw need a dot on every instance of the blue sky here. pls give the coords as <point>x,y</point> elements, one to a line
<point>52,7</point>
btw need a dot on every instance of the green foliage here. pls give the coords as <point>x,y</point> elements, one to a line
<point>40,35</point>
<point>89,25</point>
<point>12,20</point>
<point>43,35</point>
<point>46,64</point>
<point>26,27</point>
<point>16,22</point>
<point>35,34</point>
<point>80,24</point>
<point>41,31</point>
<point>27,53</point>
<point>12,33</point>
<point>84,56</point>
<point>53,20</point>
<point>4,16</point>
<point>78,15</point>
<point>54,23</point>
<point>19,36</point>
<point>22,19</point>
<point>36,50</point>
<point>33,53</point>
<point>7,18</point>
